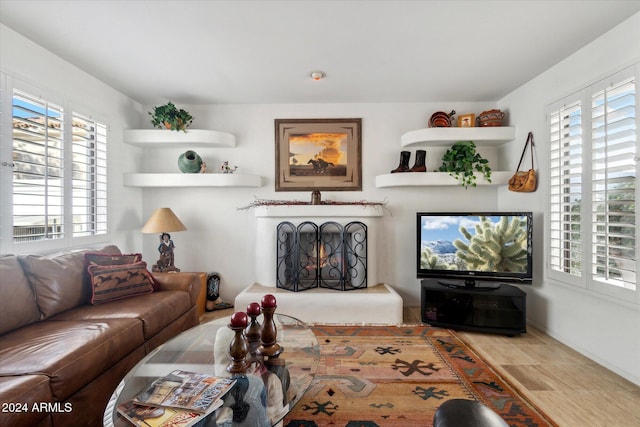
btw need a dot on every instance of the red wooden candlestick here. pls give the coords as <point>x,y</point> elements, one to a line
<point>269,346</point>
<point>238,347</point>
<point>253,332</point>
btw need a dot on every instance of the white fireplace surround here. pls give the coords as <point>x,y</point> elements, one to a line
<point>378,303</point>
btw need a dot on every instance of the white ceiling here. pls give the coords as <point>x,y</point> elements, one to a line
<point>209,51</point>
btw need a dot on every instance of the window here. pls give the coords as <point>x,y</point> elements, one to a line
<point>38,169</point>
<point>613,183</point>
<point>89,177</point>
<point>59,184</point>
<point>593,169</point>
<point>566,188</point>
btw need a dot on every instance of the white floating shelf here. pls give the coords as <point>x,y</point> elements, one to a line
<point>480,135</point>
<point>167,138</point>
<point>191,180</point>
<point>424,179</point>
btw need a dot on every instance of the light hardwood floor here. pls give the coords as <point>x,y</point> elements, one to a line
<point>572,389</point>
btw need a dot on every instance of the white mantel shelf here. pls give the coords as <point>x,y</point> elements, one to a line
<point>416,179</point>
<point>191,180</point>
<point>329,210</point>
<point>435,137</point>
<point>196,138</point>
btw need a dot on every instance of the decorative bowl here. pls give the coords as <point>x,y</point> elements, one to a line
<point>490,118</point>
<point>440,119</point>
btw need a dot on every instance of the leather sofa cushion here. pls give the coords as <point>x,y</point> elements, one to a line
<point>25,390</point>
<point>58,282</point>
<point>17,301</point>
<point>70,353</point>
<point>155,310</point>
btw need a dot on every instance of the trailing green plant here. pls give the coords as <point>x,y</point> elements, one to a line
<point>170,117</point>
<point>462,160</point>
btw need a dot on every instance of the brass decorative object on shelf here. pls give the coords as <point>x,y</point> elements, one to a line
<point>316,197</point>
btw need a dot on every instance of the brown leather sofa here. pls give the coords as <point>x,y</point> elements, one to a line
<point>62,357</point>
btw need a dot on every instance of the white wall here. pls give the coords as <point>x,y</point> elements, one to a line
<point>26,62</point>
<point>605,330</point>
<point>220,238</point>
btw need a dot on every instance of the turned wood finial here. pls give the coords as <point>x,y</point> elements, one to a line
<point>238,347</point>
<point>254,329</point>
<point>269,346</point>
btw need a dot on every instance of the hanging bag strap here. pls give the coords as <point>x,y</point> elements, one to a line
<point>529,139</point>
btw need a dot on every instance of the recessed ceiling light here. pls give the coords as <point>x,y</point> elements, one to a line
<point>317,75</point>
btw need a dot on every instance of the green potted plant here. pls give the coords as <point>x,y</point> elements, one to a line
<point>462,160</point>
<point>170,117</point>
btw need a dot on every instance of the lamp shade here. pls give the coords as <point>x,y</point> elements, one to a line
<point>163,220</point>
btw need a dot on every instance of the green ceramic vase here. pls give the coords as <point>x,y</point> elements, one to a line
<point>189,162</point>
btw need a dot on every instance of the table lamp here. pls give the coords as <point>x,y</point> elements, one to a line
<point>162,221</point>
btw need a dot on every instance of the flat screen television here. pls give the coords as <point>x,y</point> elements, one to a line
<point>475,249</point>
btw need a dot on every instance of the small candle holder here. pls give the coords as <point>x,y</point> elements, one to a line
<point>253,332</point>
<point>269,346</point>
<point>238,347</point>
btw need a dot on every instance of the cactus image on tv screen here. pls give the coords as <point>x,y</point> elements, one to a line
<point>498,246</point>
<point>491,245</point>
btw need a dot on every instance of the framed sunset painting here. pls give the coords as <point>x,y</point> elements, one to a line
<point>318,154</point>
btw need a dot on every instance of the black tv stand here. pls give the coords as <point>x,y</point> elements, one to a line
<point>500,310</point>
<point>470,284</point>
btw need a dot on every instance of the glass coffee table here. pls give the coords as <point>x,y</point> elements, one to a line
<point>261,398</point>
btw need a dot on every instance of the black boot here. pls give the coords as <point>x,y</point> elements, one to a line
<point>420,166</point>
<point>404,162</point>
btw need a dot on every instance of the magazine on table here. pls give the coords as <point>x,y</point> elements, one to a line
<point>158,416</point>
<point>185,390</point>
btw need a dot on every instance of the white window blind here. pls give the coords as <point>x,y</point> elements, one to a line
<point>38,169</point>
<point>59,182</point>
<point>592,215</point>
<point>613,148</point>
<point>89,179</point>
<point>566,188</point>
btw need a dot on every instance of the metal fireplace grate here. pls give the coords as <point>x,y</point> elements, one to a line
<point>327,256</point>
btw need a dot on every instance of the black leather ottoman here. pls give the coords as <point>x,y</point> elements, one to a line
<point>466,413</point>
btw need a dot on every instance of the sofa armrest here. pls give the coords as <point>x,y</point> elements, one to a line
<point>188,282</point>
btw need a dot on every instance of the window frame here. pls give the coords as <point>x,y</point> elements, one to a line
<point>8,84</point>
<point>556,274</point>
<point>586,280</point>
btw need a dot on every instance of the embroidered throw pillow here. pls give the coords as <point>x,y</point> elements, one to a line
<point>102,258</point>
<point>113,282</point>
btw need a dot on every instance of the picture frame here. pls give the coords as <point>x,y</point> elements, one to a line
<point>467,121</point>
<point>318,154</point>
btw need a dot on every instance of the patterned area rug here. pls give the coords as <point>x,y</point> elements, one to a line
<point>398,376</point>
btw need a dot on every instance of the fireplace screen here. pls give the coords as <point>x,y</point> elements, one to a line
<point>326,256</point>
